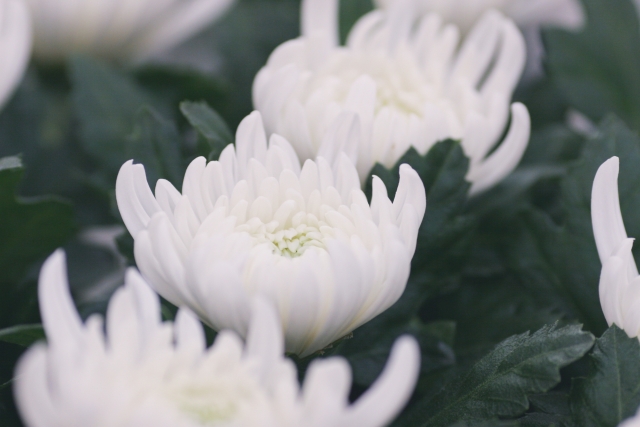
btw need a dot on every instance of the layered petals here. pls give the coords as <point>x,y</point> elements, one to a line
<point>257,222</point>
<point>142,372</point>
<point>15,45</point>
<point>403,80</point>
<point>619,280</point>
<point>117,29</point>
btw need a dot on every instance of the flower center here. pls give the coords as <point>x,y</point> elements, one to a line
<point>291,240</point>
<point>207,406</point>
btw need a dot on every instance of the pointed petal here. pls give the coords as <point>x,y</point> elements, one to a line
<point>606,217</point>
<point>506,158</point>
<point>60,318</point>
<point>391,391</point>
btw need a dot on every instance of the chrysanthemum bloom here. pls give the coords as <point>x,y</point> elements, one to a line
<point>619,280</point>
<point>257,223</point>
<point>526,13</point>
<point>529,15</point>
<point>142,372</point>
<point>406,81</point>
<point>15,45</point>
<point>117,29</point>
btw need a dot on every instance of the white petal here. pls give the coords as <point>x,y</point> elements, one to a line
<point>60,318</point>
<point>320,16</point>
<point>189,333</point>
<point>608,226</point>
<point>31,389</point>
<point>507,156</point>
<point>391,391</point>
<point>265,343</point>
<point>15,45</point>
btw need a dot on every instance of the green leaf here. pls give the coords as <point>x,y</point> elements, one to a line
<point>155,143</point>
<point>547,410</point>
<point>369,348</point>
<point>611,391</point>
<point>106,103</point>
<point>498,385</point>
<point>209,125</point>
<point>598,69</point>
<point>487,312</point>
<point>177,84</point>
<point>30,229</point>
<point>560,263</point>
<point>22,335</point>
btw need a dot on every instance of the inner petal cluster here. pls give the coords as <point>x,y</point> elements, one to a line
<point>400,84</point>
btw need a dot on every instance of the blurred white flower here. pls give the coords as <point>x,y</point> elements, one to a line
<point>619,280</point>
<point>465,13</point>
<point>407,83</point>
<point>15,45</point>
<point>256,223</point>
<point>530,15</point>
<point>142,372</point>
<point>117,29</point>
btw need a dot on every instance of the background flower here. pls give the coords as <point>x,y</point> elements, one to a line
<point>144,372</point>
<point>117,29</point>
<point>405,82</point>
<point>530,15</point>
<point>15,45</point>
<point>256,223</point>
<point>465,13</point>
<point>619,282</point>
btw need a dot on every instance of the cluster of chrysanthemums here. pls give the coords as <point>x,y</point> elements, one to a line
<point>275,245</point>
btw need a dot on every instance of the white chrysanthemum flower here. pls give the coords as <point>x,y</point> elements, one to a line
<point>530,15</point>
<point>15,45</point>
<point>619,280</point>
<point>257,223</point>
<point>142,372</point>
<point>402,80</point>
<point>117,29</point>
<point>526,13</point>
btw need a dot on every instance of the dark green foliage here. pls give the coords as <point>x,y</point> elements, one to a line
<point>209,125</point>
<point>597,69</point>
<point>611,391</point>
<point>155,143</point>
<point>499,384</point>
<point>22,335</point>
<point>560,262</point>
<point>29,229</point>
<point>105,102</point>
<point>350,12</point>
